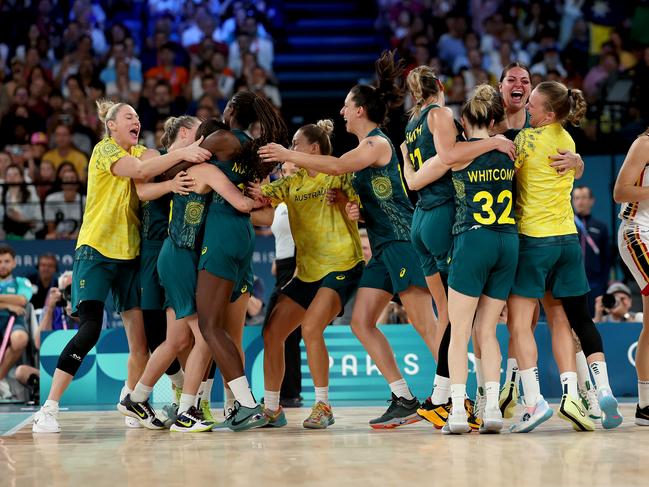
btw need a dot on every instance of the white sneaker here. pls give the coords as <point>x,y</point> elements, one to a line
<point>46,421</point>
<point>5,390</point>
<point>456,424</point>
<point>594,410</point>
<point>533,417</point>
<point>492,420</point>
<point>132,422</point>
<point>480,404</point>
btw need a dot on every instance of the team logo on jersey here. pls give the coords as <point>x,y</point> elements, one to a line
<point>402,272</point>
<point>340,277</point>
<point>244,289</point>
<point>82,283</point>
<point>193,212</point>
<point>204,251</point>
<point>382,187</point>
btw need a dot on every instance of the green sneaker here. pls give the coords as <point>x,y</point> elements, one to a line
<point>321,417</point>
<point>276,419</point>
<point>207,412</point>
<point>400,412</point>
<point>243,418</point>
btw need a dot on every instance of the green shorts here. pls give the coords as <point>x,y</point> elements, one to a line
<point>344,283</point>
<point>177,271</point>
<point>432,238</point>
<point>228,245</point>
<point>94,275</point>
<point>489,271</point>
<point>244,286</point>
<point>152,292</point>
<point>394,268</point>
<point>550,264</point>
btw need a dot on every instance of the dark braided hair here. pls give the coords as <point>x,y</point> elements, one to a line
<point>247,109</point>
<point>385,93</point>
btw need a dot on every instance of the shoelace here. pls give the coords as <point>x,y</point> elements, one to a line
<point>233,412</point>
<point>194,417</point>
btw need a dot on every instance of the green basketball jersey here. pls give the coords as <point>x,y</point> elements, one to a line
<point>187,217</point>
<point>483,194</point>
<point>155,216</point>
<point>385,204</point>
<point>420,144</point>
<point>235,172</point>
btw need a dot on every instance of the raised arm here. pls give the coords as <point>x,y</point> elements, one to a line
<point>636,159</point>
<point>147,167</point>
<point>215,179</point>
<point>451,152</point>
<point>182,184</point>
<point>430,171</point>
<point>370,151</point>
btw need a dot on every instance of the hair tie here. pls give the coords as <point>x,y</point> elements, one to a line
<point>569,93</point>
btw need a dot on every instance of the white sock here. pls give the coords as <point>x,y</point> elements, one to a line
<point>186,401</point>
<point>271,400</point>
<point>126,390</point>
<point>600,374</point>
<point>201,389</point>
<point>241,391</point>
<point>569,384</point>
<point>229,399</point>
<point>441,390</point>
<point>322,395</point>
<point>512,371</point>
<point>478,376</point>
<point>583,372</point>
<point>458,393</point>
<point>643,393</point>
<point>530,380</point>
<point>207,390</point>
<point>50,404</point>
<point>178,379</point>
<point>400,389</point>
<point>492,391</point>
<point>141,392</point>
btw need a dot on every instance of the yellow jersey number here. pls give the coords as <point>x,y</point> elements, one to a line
<point>415,159</point>
<point>487,201</point>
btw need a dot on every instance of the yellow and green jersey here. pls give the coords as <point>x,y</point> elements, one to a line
<point>483,194</point>
<point>325,240</point>
<point>111,222</point>
<point>420,144</point>
<point>543,201</point>
<point>385,204</point>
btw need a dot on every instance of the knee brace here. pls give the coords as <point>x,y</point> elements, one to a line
<point>91,315</point>
<point>576,309</point>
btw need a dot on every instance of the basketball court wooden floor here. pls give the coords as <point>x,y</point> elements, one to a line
<point>96,449</point>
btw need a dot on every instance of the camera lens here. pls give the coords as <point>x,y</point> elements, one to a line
<point>609,301</point>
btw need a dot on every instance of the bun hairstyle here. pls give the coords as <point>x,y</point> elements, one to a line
<point>567,104</point>
<point>385,94</point>
<point>173,125</point>
<point>422,84</point>
<point>319,133</point>
<point>484,105</point>
<point>107,111</point>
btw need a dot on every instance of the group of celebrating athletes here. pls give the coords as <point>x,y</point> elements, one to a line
<point>493,225</point>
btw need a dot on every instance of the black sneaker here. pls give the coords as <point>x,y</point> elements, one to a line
<point>192,421</point>
<point>642,416</point>
<point>400,412</point>
<point>141,411</point>
<point>436,414</point>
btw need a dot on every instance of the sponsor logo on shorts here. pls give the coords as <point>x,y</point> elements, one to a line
<point>244,289</point>
<point>340,277</point>
<point>82,283</point>
<point>204,251</point>
<point>402,272</point>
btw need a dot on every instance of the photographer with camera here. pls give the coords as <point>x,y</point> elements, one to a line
<point>615,305</point>
<point>57,309</point>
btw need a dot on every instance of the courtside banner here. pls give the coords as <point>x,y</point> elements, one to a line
<point>354,376</point>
